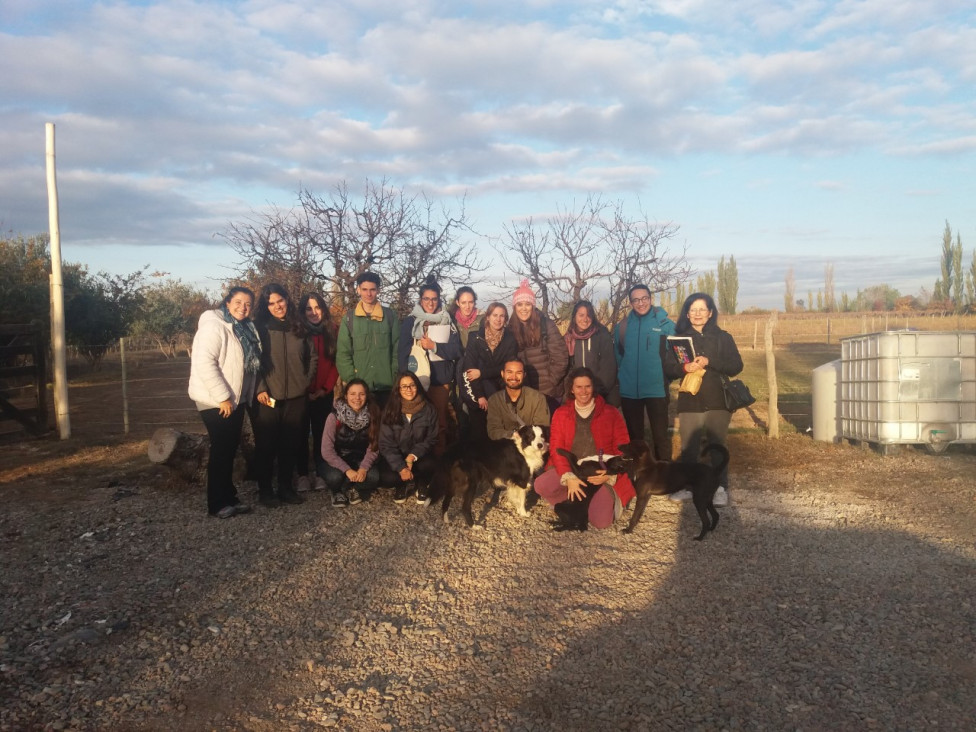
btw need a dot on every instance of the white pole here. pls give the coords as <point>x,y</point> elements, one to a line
<point>57,293</point>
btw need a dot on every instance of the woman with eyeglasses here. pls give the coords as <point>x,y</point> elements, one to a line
<point>638,346</point>
<point>431,327</point>
<point>408,433</point>
<point>703,418</point>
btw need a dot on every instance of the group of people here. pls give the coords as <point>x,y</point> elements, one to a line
<point>383,399</point>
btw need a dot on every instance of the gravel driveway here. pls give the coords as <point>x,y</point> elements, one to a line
<point>837,593</point>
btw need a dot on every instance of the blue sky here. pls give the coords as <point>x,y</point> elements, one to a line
<point>788,134</point>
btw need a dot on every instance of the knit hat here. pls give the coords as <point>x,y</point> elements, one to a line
<point>523,294</point>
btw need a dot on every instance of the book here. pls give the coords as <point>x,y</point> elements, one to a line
<point>439,334</point>
<point>682,348</point>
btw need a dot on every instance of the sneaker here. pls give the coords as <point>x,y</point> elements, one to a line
<point>354,496</point>
<point>339,499</point>
<point>291,497</point>
<point>303,484</point>
<point>680,496</point>
<point>269,501</point>
<point>401,492</point>
<point>319,484</point>
<point>721,497</point>
<point>422,493</point>
<point>242,508</point>
<point>226,512</point>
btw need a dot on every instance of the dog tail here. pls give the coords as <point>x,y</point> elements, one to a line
<point>723,455</point>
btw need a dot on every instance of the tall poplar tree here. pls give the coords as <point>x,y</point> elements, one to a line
<point>728,285</point>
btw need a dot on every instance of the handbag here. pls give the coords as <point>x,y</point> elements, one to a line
<point>737,394</point>
<point>419,364</point>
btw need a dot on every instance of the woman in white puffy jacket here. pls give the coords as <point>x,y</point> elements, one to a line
<point>223,372</point>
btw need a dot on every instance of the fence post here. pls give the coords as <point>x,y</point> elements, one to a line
<point>828,331</point>
<point>755,334</point>
<point>125,388</point>
<point>772,426</point>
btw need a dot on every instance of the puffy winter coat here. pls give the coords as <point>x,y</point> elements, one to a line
<point>547,363</point>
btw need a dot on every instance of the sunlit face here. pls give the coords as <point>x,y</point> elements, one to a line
<point>699,314</point>
<point>240,306</point>
<point>640,301</point>
<point>513,374</point>
<point>368,293</point>
<point>524,311</point>
<point>582,319</point>
<point>430,301</point>
<point>465,304</point>
<point>313,312</point>
<point>277,306</point>
<point>497,318</point>
<point>356,397</point>
<point>407,387</point>
<point>583,390</point>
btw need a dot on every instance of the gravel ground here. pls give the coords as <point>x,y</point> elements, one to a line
<point>838,592</point>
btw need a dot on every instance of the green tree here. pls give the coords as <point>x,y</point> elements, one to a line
<point>829,300</point>
<point>971,283</point>
<point>943,287</point>
<point>728,285</point>
<point>168,315</point>
<point>958,276</point>
<point>789,294</point>
<point>706,282</point>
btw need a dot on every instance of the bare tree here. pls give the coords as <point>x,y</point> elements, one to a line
<point>592,249</point>
<point>328,241</point>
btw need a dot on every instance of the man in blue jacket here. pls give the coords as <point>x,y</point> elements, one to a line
<point>637,341</point>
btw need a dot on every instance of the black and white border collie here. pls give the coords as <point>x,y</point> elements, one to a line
<point>508,464</point>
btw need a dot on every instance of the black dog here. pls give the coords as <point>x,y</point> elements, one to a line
<point>508,463</point>
<point>659,478</point>
<point>574,515</point>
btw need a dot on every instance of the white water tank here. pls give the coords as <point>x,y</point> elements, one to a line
<point>825,416</point>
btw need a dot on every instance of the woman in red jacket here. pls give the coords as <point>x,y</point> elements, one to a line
<point>585,425</point>
<point>323,331</point>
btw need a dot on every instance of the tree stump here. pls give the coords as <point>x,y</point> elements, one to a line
<point>184,452</point>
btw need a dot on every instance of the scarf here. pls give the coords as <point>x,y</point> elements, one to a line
<point>586,411</point>
<point>466,322</point>
<point>350,417</point>
<point>247,334</point>
<point>421,319</point>
<point>493,337</point>
<point>572,336</point>
<point>412,406</point>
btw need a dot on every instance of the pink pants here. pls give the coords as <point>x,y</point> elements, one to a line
<point>601,507</point>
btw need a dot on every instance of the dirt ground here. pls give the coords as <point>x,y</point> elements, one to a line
<point>57,496</point>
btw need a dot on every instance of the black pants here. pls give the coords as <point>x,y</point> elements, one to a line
<point>423,471</point>
<point>657,414</point>
<point>318,411</point>
<point>278,432</point>
<point>225,436</point>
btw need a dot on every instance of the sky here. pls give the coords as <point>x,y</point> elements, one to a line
<point>786,134</point>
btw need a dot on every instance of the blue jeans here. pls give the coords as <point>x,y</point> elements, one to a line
<point>336,480</point>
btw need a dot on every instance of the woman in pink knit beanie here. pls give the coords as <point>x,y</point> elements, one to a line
<point>541,346</point>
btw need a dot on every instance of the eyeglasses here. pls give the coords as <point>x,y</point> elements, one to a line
<point>698,311</point>
<point>429,299</point>
<point>408,387</point>
<point>640,300</point>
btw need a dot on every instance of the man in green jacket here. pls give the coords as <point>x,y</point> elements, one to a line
<point>367,344</point>
<point>516,406</point>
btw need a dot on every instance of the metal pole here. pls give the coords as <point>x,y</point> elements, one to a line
<point>125,388</point>
<point>58,345</point>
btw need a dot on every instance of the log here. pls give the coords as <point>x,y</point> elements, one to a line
<point>184,452</point>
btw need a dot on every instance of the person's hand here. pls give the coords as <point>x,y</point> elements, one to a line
<point>483,404</point>
<point>264,398</point>
<point>317,394</point>
<point>574,489</point>
<point>351,475</point>
<point>473,374</point>
<point>225,408</point>
<point>600,478</point>
<point>406,474</point>
<point>427,344</point>
<point>360,476</point>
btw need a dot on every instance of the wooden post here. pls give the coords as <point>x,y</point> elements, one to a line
<point>57,293</point>
<point>755,334</point>
<point>828,330</point>
<point>772,427</point>
<point>125,388</point>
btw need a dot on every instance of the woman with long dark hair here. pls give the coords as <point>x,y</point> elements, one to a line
<point>350,446</point>
<point>288,365</point>
<point>540,346</point>
<point>224,366</point>
<point>467,318</point>
<point>703,417</point>
<point>318,322</point>
<point>590,345</point>
<point>407,437</point>
<point>488,350</point>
